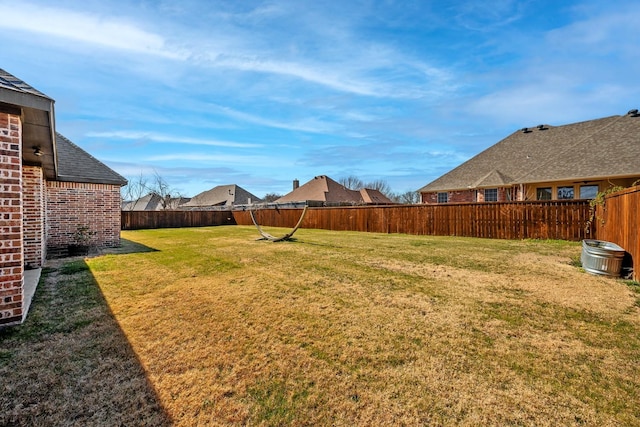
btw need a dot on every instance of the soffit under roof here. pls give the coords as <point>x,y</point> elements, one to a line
<point>37,117</point>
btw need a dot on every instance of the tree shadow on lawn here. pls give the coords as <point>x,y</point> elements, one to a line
<point>70,363</point>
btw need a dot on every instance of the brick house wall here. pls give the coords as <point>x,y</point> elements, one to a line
<point>11,245</point>
<point>33,200</point>
<point>502,194</point>
<point>71,205</point>
<point>461,196</point>
<point>505,194</point>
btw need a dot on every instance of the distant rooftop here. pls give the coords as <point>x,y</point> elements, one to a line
<point>324,189</point>
<point>222,195</point>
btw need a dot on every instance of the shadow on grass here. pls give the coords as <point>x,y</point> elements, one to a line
<point>70,363</point>
<point>129,247</point>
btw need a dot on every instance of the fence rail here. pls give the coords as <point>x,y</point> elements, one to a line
<point>512,220</point>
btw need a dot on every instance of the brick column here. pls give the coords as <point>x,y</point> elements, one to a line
<point>33,200</point>
<point>11,244</point>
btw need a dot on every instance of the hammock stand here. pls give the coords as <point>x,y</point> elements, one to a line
<point>267,236</point>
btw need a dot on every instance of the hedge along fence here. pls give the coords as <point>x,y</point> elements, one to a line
<point>557,219</point>
<point>618,221</point>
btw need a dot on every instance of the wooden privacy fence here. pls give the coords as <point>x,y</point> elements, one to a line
<point>556,219</point>
<point>618,221</point>
<point>135,220</point>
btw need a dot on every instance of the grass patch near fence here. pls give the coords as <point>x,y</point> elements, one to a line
<point>344,328</point>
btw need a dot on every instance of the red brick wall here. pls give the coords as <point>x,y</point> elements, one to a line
<point>469,196</point>
<point>76,204</point>
<point>34,216</point>
<point>11,262</point>
<point>462,196</point>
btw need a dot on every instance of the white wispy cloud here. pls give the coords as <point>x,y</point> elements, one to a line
<point>314,74</point>
<point>573,73</point>
<point>168,139</point>
<point>217,158</point>
<point>86,27</point>
<point>354,69</point>
<point>310,124</point>
<point>486,16</point>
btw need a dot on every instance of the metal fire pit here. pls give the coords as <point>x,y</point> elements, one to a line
<point>600,257</point>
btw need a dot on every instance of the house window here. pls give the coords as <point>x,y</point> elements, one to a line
<point>565,192</point>
<point>543,193</point>
<point>588,191</point>
<point>491,195</point>
<point>443,197</point>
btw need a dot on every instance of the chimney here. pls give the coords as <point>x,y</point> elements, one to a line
<point>296,184</point>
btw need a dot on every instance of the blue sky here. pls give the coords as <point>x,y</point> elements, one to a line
<point>258,93</point>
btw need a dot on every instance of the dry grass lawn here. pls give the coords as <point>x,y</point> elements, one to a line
<point>341,328</point>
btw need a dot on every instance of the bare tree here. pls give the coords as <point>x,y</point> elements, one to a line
<point>381,185</point>
<point>351,182</point>
<point>408,197</point>
<point>354,183</point>
<point>271,197</point>
<point>160,187</point>
<point>134,190</point>
<point>168,198</point>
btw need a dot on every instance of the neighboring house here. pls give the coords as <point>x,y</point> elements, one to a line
<point>573,161</point>
<point>155,202</point>
<point>329,192</point>
<point>51,191</point>
<point>222,196</point>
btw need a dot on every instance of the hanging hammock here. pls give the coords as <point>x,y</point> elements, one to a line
<point>267,236</point>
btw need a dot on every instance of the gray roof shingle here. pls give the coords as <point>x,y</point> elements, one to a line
<point>76,165</point>
<point>222,195</point>
<point>324,189</point>
<point>9,81</point>
<point>154,202</point>
<point>600,148</point>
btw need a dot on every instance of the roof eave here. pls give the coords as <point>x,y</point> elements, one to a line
<point>62,178</point>
<point>28,100</point>
<point>38,128</point>
<point>582,178</point>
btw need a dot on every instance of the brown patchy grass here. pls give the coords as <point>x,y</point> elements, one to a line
<point>69,364</point>
<point>340,328</point>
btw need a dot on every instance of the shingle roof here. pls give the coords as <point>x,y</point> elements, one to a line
<point>153,202</point>
<point>150,202</point>
<point>324,189</point>
<point>599,148</point>
<point>9,81</point>
<point>223,195</point>
<point>76,165</point>
<point>374,197</point>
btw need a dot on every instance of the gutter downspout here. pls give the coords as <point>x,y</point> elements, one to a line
<point>52,121</point>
